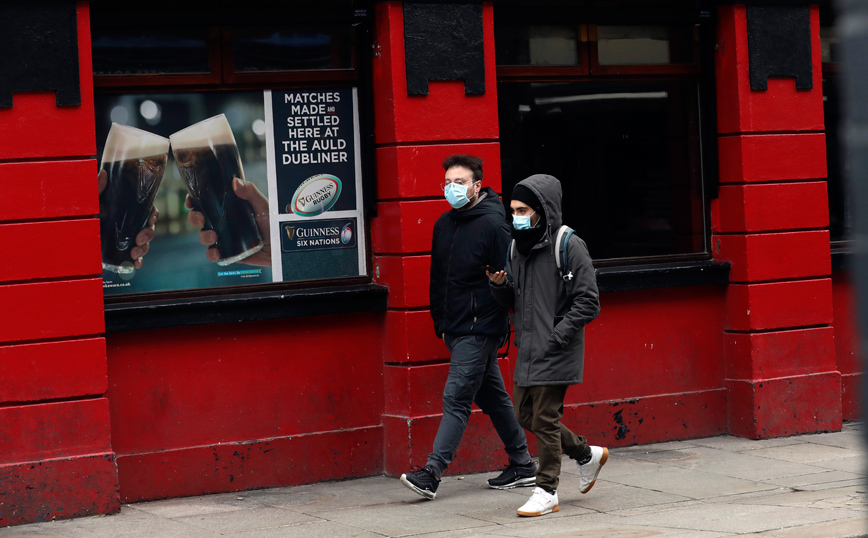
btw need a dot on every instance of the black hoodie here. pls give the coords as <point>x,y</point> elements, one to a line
<point>463,243</point>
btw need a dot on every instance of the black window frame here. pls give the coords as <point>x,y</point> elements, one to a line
<point>586,17</point>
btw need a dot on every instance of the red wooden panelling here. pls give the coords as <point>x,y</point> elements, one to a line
<point>446,113</point>
<point>779,305</point>
<point>418,390</point>
<point>59,489</point>
<point>53,370</point>
<point>650,342</point>
<point>781,107</point>
<point>35,127</point>
<point>51,189</point>
<point>408,442</point>
<point>409,337</point>
<point>785,406</point>
<point>54,430</point>
<point>417,171</point>
<point>52,310</point>
<point>776,256</point>
<point>851,396</point>
<point>758,158</point>
<point>224,467</point>
<point>754,356</point>
<point>688,415</point>
<point>848,347</point>
<point>772,207</point>
<point>407,278</point>
<point>611,423</point>
<point>28,254</point>
<point>197,386</point>
<point>405,227</point>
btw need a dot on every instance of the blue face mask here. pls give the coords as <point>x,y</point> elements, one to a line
<point>522,222</point>
<point>456,195</point>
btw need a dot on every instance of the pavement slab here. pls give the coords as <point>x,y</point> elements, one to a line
<point>807,486</point>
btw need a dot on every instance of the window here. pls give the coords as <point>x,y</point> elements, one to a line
<point>611,107</point>
<point>284,84</point>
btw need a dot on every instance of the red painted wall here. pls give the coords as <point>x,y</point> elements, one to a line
<point>56,459</point>
<point>229,407</point>
<point>848,350</point>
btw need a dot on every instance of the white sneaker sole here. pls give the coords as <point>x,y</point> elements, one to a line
<point>556,508</point>
<point>603,459</point>
<point>423,492</point>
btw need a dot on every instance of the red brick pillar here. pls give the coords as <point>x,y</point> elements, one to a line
<point>56,459</point>
<point>413,136</point>
<point>770,222</point>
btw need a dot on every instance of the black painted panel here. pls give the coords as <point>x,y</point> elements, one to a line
<point>779,45</point>
<point>662,275</point>
<point>39,50</point>
<point>257,306</point>
<point>444,42</point>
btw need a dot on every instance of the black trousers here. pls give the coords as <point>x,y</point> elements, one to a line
<point>539,409</point>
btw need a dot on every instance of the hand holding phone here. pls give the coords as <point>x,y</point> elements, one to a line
<point>491,269</point>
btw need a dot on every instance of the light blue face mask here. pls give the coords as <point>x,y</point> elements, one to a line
<point>456,195</point>
<point>522,222</point>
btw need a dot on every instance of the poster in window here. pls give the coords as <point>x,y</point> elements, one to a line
<point>202,212</point>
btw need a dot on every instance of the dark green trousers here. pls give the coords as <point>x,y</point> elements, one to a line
<point>539,409</point>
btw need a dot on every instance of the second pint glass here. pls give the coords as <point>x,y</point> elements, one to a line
<point>135,161</point>
<point>208,160</point>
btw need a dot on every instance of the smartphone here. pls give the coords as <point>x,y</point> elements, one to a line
<point>491,269</point>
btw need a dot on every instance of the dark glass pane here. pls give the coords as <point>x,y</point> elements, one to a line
<point>517,44</point>
<point>644,45</point>
<point>134,51</point>
<point>287,48</point>
<point>830,45</point>
<point>627,155</point>
<point>839,208</point>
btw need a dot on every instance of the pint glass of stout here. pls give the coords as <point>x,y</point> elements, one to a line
<point>135,161</point>
<point>208,160</point>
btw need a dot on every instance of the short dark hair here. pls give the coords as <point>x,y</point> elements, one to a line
<point>474,164</point>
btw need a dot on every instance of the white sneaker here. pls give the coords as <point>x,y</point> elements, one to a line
<point>540,504</point>
<point>589,471</point>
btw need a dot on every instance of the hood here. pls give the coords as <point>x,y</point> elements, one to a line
<point>491,204</point>
<point>548,190</point>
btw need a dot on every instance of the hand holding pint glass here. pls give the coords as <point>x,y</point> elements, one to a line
<point>209,164</point>
<point>131,170</point>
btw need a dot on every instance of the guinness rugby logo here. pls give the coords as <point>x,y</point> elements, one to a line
<point>316,195</point>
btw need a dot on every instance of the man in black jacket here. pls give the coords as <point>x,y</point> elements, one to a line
<point>472,235</point>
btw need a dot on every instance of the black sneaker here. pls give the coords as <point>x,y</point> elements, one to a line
<point>515,476</point>
<point>424,482</point>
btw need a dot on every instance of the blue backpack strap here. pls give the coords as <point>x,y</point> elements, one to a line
<point>562,239</point>
<point>561,260</point>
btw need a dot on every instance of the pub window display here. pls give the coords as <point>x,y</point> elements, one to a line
<point>204,181</point>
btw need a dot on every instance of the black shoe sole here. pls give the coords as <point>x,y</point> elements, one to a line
<point>423,492</point>
<point>520,483</point>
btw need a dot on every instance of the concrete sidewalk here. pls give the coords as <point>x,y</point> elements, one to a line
<point>797,487</point>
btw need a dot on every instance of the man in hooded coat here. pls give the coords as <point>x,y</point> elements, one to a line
<point>551,308</point>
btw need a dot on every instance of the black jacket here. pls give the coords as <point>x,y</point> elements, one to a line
<point>463,243</point>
